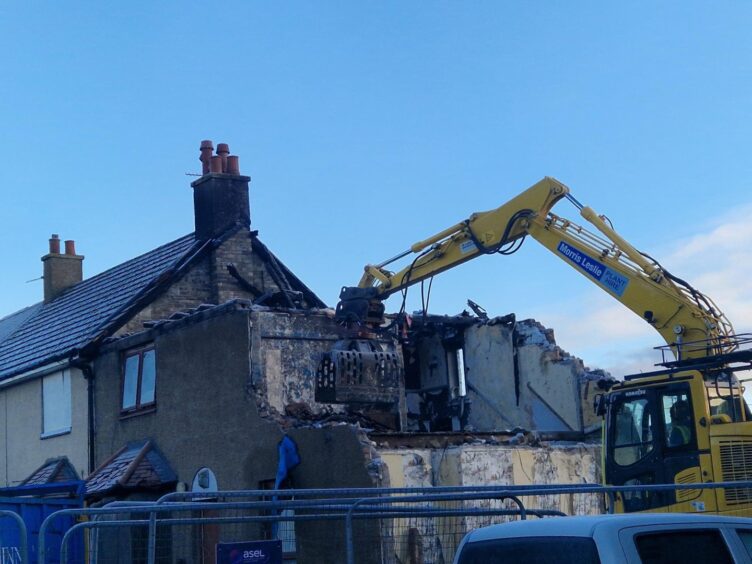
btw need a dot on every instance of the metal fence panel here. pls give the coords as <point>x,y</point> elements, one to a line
<point>356,526</point>
<point>13,538</point>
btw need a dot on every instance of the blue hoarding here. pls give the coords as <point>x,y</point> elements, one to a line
<point>33,507</point>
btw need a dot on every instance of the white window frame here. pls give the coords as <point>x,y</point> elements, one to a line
<point>59,391</point>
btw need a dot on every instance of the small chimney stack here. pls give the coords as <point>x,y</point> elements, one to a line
<point>61,271</point>
<point>220,196</point>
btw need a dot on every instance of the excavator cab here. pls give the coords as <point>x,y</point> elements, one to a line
<point>651,439</point>
<point>680,426</point>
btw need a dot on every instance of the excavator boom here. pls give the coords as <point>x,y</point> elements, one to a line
<point>682,315</point>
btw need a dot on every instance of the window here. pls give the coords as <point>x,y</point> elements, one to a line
<point>556,550</point>
<point>56,404</point>
<point>726,399</point>
<point>675,547</point>
<point>633,438</point>
<point>139,379</point>
<point>746,537</point>
<point>677,419</point>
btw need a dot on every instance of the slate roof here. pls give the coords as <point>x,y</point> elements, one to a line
<point>47,332</point>
<point>10,323</point>
<point>136,466</point>
<point>52,471</point>
<point>44,333</point>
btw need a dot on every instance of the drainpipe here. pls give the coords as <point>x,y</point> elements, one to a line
<point>88,372</point>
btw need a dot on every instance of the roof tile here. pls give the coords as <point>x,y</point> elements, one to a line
<point>151,470</point>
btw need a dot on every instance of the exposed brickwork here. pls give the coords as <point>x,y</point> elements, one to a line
<point>237,250</point>
<point>208,281</point>
<point>192,290</point>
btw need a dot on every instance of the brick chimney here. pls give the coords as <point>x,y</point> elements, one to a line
<point>220,196</point>
<point>61,271</point>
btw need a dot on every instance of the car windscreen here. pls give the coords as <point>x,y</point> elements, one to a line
<point>531,550</point>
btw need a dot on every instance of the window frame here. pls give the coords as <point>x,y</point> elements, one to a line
<point>65,429</point>
<point>139,407</point>
<point>667,424</point>
<point>645,446</point>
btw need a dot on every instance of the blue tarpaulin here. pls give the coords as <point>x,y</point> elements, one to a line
<point>288,459</point>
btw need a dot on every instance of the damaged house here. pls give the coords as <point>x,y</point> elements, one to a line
<point>185,367</point>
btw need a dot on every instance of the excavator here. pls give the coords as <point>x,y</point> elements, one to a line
<point>684,423</point>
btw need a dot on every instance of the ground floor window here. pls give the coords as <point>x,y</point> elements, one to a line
<point>56,404</point>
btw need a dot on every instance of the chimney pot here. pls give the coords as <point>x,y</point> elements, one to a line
<point>216,164</point>
<point>207,147</point>
<point>223,149</point>
<point>54,244</point>
<point>233,166</point>
<point>70,248</point>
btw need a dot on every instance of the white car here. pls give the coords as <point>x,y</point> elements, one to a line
<point>648,538</point>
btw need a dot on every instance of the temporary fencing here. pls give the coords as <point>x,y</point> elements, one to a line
<point>13,538</point>
<point>353,526</point>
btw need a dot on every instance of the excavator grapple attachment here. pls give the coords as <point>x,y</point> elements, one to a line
<point>359,371</point>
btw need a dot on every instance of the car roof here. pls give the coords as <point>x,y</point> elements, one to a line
<point>585,526</point>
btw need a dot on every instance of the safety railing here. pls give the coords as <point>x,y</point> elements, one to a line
<point>360,525</point>
<point>13,539</point>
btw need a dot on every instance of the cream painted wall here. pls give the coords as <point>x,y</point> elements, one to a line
<point>489,465</point>
<point>21,449</point>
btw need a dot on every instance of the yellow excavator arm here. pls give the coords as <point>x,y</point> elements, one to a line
<point>686,319</point>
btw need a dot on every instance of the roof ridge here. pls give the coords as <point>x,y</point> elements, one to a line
<point>18,311</point>
<point>131,468</point>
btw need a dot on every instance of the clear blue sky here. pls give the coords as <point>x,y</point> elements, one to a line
<point>367,126</point>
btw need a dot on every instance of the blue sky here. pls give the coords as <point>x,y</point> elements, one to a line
<point>368,126</point>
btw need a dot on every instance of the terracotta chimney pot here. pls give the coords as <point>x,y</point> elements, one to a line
<point>216,164</point>
<point>207,148</point>
<point>223,149</point>
<point>233,166</point>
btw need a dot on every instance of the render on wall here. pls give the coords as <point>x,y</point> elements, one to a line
<point>482,464</point>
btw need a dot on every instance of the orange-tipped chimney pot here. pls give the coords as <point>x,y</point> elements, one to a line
<point>207,147</point>
<point>223,149</point>
<point>233,165</point>
<point>54,244</point>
